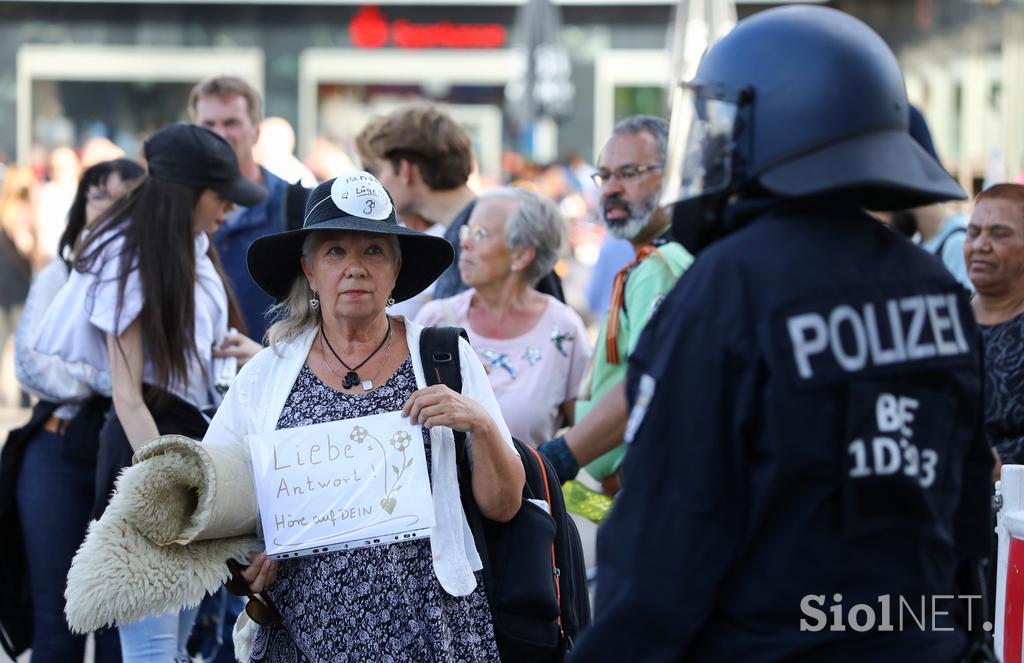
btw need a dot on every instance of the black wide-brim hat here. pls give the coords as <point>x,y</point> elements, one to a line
<point>354,202</point>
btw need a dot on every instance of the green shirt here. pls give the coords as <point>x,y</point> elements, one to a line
<point>646,286</point>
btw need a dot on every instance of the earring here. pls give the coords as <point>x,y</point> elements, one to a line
<point>391,302</point>
<point>314,303</point>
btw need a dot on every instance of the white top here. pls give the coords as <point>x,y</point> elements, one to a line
<point>47,376</point>
<point>85,311</point>
<point>532,374</point>
<point>258,394</point>
<point>410,307</point>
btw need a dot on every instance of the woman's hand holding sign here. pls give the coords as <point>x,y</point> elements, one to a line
<point>440,406</point>
<point>496,468</point>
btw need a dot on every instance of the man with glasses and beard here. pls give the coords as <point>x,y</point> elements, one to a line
<point>629,173</point>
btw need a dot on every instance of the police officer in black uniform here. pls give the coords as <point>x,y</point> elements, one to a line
<point>805,469</point>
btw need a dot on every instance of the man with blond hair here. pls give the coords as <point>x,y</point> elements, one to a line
<point>232,108</point>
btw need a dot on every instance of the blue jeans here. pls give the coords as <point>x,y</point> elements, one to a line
<point>54,500</point>
<point>158,639</point>
<point>211,639</point>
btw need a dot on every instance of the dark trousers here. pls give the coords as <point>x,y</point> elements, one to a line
<point>54,494</point>
<point>173,416</point>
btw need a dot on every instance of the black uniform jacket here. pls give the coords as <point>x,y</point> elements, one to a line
<point>804,434</point>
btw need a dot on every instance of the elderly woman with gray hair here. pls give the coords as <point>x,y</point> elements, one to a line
<point>533,346</point>
<point>337,355</point>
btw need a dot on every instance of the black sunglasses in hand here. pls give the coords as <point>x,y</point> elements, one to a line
<point>260,608</point>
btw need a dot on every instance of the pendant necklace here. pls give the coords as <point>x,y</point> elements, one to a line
<point>351,378</point>
<point>368,384</point>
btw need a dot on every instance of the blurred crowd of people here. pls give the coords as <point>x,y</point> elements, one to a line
<point>36,196</point>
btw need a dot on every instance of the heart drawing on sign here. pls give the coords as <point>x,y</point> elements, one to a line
<point>389,504</point>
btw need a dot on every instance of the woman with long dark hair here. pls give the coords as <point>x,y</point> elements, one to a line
<point>156,307</point>
<point>52,460</point>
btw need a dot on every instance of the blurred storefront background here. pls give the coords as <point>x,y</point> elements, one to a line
<point>118,70</point>
<point>72,71</point>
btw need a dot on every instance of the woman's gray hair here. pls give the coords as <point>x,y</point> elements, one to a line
<point>536,222</point>
<point>294,315</point>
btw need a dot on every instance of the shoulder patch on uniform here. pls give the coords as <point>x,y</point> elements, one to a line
<point>654,306</point>
<point>644,395</point>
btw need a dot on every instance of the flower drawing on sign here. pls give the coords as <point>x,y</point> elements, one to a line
<point>400,441</point>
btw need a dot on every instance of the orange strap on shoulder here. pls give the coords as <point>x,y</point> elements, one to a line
<point>554,564</point>
<point>611,336</point>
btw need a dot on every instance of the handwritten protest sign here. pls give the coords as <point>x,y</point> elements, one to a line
<point>343,484</point>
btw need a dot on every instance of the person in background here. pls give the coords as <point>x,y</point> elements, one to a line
<point>935,227</point>
<point>18,248</point>
<point>231,108</point>
<point>99,149</point>
<point>275,151</point>
<point>55,454</point>
<point>410,219</point>
<point>994,255</point>
<point>148,300</point>
<point>424,160</point>
<point>629,172</point>
<point>53,201</point>
<point>533,346</point>
<point>615,254</point>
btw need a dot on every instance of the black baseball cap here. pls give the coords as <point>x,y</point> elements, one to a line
<point>193,155</point>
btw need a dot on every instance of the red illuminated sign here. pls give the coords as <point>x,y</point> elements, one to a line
<point>370,29</point>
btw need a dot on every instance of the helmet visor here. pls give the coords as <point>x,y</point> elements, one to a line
<point>702,134</point>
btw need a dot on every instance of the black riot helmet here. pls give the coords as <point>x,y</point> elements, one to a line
<point>795,102</point>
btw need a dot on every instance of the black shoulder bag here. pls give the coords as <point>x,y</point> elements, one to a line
<point>536,613</point>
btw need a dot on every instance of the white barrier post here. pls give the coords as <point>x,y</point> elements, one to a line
<point>1009,617</point>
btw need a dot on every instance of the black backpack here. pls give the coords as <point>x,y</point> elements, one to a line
<point>533,567</point>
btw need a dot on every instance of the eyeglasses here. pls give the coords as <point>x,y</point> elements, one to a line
<point>627,173</point>
<point>476,233</point>
<point>259,608</point>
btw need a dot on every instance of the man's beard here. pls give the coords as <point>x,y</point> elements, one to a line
<point>637,221</point>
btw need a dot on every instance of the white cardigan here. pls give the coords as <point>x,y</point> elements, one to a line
<point>254,404</point>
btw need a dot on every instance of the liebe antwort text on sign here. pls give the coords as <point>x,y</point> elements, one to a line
<point>344,484</point>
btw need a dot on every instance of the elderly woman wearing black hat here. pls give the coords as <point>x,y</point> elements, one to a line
<point>148,302</point>
<point>335,354</point>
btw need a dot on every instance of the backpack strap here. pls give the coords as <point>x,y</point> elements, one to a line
<point>439,354</point>
<point>551,511</point>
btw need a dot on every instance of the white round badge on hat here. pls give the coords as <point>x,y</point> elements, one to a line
<point>360,194</point>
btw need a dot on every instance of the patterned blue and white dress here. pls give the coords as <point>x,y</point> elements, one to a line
<point>381,604</point>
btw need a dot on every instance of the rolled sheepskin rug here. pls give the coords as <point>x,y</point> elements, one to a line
<point>174,519</point>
